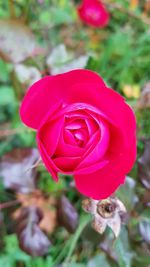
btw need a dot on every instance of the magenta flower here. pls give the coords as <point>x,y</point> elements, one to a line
<point>93,13</point>
<point>84,129</point>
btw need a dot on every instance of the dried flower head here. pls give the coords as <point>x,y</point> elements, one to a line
<point>106,212</point>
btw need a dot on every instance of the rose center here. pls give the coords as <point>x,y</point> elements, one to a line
<point>80,136</point>
<point>75,133</point>
<point>77,130</point>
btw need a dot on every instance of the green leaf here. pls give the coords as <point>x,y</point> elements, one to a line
<point>123,250</point>
<point>74,265</point>
<point>57,16</point>
<point>7,95</point>
<point>5,70</point>
<point>99,260</point>
<point>129,199</point>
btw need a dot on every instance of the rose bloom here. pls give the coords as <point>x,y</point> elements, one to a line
<point>93,13</point>
<point>84,129</point>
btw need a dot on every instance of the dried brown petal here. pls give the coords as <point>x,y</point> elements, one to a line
<point>120,206</point>
<point>106,212</point>
<point>99,225</point>
<point>115,224</point>
<point>106,208</point>
<point>89,205</point>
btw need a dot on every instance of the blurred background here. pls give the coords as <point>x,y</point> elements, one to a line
<point>42,223</point>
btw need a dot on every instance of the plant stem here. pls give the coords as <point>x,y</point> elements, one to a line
<point>71,243</point>
<point>12,9</point>
<point>84,221</point>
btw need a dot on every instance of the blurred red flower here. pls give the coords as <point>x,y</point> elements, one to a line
<point>93,13</point>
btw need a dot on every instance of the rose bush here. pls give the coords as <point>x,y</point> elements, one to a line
<point>93,13</point>
<point>83,128</point>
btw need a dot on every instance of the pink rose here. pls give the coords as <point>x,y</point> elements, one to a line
<point>83,128</point>
<point>93,13</point>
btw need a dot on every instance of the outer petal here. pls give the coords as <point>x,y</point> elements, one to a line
<point>46,94</point>
<point>51,167</point>
<point>103,182</point>
<point>100,184</point>
<point>49,134</point>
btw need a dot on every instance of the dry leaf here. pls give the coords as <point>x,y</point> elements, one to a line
<point>17,42</point>
<point>60,60</point>
<point>27,75</point>
<point>144,166</point>
<point>31,239</point>
<point>144,228</point>
<point>67,214</point>
<point>46,205</point>
<point>15,169</point>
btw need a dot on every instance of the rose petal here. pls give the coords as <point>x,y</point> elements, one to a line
<point>42,95</point>
<point>66,164</point>
<point>69,138</point>
<point>101,147</point>
<point>49,134</point>
<point>76,124</point>
<point>100,184</point>
<point>38,101</point>
<point>67,150</point>
<point>122,127</point>
<point>91,125</point>
<point>92,168</point>
<point>47,161</point>
<point>103,182</point>
<point>81,136</point>
<point>119,151</point>
<point>92,143</point>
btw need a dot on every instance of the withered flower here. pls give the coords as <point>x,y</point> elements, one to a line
<point>107,212</point>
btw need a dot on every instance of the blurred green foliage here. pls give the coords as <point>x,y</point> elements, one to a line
<point>125,60</point>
